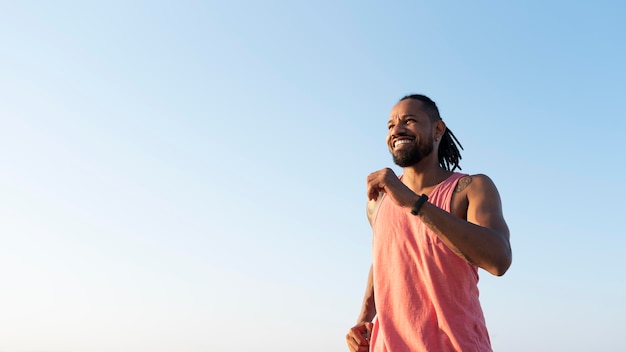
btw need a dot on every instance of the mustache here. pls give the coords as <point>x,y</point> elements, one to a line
<point>394,136</point>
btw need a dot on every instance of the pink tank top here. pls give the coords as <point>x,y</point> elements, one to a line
<point>426,296</point>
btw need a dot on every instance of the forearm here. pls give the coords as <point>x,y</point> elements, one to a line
<point>368,308</point>
<point>485,247</point>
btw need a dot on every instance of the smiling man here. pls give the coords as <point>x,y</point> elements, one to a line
<point>432,229</point>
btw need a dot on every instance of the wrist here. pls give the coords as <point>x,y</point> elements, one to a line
<point>417,206</point>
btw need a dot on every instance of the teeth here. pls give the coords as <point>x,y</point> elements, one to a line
<point>401,141</point>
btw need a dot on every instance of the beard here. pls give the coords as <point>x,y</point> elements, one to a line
<point>410,157</point>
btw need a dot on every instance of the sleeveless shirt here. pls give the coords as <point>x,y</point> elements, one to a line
<point>426,296</point>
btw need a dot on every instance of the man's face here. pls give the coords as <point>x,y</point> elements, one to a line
<point>410,137</point>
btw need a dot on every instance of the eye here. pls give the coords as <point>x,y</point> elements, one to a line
<point>390,126</point>
<point>409,121</point>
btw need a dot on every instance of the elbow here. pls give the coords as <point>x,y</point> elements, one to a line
<point>502,261</point>
<point>501,266</point>
<point>501,270</point>
<point>498,263</point>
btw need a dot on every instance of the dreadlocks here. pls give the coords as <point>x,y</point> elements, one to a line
<point>449,154</point>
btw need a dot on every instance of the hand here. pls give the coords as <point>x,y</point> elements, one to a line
<point>358,338</point>
<point>387,181</point>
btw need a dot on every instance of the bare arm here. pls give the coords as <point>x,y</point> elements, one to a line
<point>482,238</point>
<point>359,335</point>
<point>368,309</point>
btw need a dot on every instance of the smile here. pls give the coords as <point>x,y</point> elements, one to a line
<point>399,142</point>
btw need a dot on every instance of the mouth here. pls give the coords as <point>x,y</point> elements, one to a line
<point>400,141</point>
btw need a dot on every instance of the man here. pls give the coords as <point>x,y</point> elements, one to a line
<point>432,229</point>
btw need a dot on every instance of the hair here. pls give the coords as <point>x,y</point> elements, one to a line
<point>448,152</point>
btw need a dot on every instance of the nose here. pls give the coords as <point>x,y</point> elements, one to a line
<point>398,129</point>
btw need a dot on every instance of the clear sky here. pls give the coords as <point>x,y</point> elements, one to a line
<point>190,176</point>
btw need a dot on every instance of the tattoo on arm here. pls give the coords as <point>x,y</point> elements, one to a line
<point>462,184</point>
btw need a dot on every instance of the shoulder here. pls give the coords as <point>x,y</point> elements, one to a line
<point>476,188</point>
<point>479,190</point>
<point>471,183</point>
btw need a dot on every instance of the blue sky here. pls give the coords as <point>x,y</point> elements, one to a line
<point>190,176</point>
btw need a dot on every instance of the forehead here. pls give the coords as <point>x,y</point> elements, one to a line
<point>411,107</point>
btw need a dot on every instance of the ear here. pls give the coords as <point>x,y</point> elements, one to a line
<point>439,129</point>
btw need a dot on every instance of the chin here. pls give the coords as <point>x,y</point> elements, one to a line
<point>405,162</point>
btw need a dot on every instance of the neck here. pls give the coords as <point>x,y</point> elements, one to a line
<point>424,176</point>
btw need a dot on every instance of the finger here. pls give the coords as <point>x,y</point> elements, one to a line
<point>358,334</point>
<point>369,186</point>
<point>354,345</point>
<point>373,192</point>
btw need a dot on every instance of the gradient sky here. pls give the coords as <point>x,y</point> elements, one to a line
<point>190,176</point>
